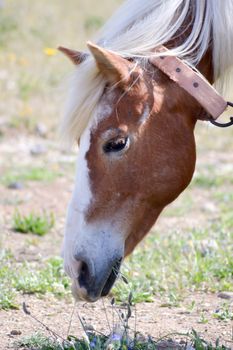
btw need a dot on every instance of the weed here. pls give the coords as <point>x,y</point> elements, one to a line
<point>33,223</point>
<point>200,344</point>
<point>203,319</point>
<point>191,306</point>
<point>224,313</point>
<point>38,341</point>
<point>7,297</point>
<point>7,293</point>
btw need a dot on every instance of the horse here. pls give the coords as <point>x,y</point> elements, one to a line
<point>133,111</point>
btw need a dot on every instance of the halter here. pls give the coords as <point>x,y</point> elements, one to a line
<point>195,84</point>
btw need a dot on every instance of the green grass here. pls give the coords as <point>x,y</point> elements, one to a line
<point>224,313</point>
<point>209,178</point>
<point>30,278</point>
<point>28,174</point>
<point>8,27</point>
<point>93,22</point>
<point>200,259</point>
<point>39,224</point>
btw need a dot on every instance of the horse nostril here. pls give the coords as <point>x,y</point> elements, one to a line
<point>84,268</point>
<point>97,280</point>
<point>85,273</point>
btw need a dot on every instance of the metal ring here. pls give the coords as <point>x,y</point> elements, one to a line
<point>223,125</point>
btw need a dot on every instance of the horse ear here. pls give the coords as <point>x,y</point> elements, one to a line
<point>115,68</point>
<point>75,56</point>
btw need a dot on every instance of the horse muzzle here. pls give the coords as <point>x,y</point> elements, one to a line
<point>95,280</point>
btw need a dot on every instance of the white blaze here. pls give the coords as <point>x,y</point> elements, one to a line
<point>79,203</point>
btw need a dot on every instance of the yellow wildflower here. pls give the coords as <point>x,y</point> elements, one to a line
<point>49,51</point>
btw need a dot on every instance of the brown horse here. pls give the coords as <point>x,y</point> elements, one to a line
<point>135,127</point>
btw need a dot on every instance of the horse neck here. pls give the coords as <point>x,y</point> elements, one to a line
<point>205,66</point>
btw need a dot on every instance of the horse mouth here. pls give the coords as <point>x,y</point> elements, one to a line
<point>111,278</point>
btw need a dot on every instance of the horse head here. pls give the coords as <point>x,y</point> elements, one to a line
<point>137,152</point>
<point>135,157</point>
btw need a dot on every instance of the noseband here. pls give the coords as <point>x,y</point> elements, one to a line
<point>194,83</point>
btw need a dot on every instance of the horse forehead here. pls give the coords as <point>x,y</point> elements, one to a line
<point>119,107</point>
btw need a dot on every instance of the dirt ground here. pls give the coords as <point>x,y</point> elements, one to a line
<point>151,318</point>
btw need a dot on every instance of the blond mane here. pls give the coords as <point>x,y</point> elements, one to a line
<point>135,30</point>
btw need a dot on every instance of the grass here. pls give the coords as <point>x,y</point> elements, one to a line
<point>202,259</point>
<point>30,278</point>
<point>93,22</point>
<point>33,223</point>
<point>224,313</point>
<point>26,174</point>
<point>8,27</point>
<point>209,177</point>
<point>177,264</point>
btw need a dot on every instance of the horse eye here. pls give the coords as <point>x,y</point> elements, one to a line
<point>115,145</point>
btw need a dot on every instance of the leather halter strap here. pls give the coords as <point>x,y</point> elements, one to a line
<point>191,81</point>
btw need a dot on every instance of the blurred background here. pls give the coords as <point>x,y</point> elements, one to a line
<point>189,253</point>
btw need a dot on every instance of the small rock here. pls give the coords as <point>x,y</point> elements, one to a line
<point>41,130</point>
<point>37,150</point>
<point>184,312</point>
<point>15,185</point>
<point>225,295</point>
<point>89,328</point>
<point>15,332</point>
<point>168,344</point>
